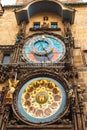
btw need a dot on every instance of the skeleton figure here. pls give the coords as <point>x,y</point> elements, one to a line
<point>70,92</point>
<point>71,95</point>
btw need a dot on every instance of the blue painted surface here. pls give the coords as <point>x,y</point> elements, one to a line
<point>53,25</point>
<point>37,25</point>
<point>41,45</point>
<point>44,46</point>
<point>57,45</point>
<point>41,120</point>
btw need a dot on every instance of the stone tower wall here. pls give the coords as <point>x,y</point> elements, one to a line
<point>9,29</point>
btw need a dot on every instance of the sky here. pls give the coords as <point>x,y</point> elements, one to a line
<point>8,2</point>
<point>13,2</point>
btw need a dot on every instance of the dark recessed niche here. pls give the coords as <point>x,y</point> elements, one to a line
<point>85,51</point>
<point>6,58</point>
<point>45,18</point>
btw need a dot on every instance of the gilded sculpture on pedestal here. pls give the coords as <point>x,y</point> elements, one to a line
<point>12,84</point>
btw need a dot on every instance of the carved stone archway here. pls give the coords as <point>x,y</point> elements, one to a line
<point>38,6</point>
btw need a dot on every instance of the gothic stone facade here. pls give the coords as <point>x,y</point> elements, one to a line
<point>16,28</point>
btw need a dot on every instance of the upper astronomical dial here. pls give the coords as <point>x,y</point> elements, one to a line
<point>41,46</point>
<point>44,49</point>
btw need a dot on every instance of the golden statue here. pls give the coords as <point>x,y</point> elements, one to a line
<point>12,84</point>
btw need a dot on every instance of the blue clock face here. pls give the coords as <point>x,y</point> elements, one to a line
<point>41,46</point>
<point>44,48</point>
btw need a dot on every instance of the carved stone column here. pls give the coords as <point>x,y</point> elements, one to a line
<point>19,42</point>
<point>74,118</point>
<point>81,107</point>
<point>1,109</point>
<point>1,56</point>
<point>5,117</point>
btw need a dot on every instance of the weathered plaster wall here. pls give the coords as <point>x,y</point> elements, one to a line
<point>80,27</point>
<point>79,30</point>
<point>39,18</point>
<point>8,27</point>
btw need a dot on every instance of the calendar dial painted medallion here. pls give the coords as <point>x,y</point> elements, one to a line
<point>41,100</point>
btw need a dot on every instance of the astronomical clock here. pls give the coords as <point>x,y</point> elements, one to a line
<point>41,92</point>
<point>42,97</point>
<point>44,49</point>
